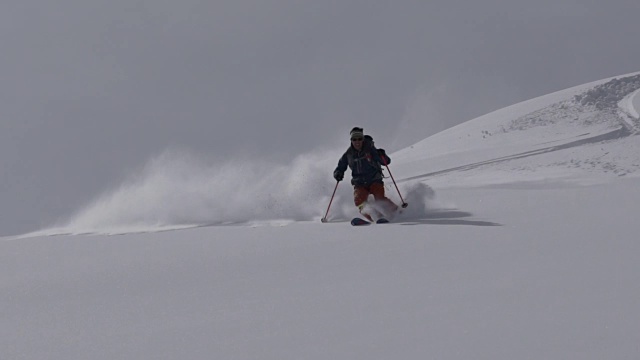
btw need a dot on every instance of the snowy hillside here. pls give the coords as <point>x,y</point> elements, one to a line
<point>586,128</point>
<point>520,242</point>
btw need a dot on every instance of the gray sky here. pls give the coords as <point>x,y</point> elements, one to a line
<point>91,90</point>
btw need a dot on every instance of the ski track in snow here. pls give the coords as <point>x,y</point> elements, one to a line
<point>631,104</point>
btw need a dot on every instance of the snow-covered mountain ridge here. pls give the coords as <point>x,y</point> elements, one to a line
<point>589,126</point>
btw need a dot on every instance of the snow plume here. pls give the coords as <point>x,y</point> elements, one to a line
<point>178,189</point>
<point>420,198</point>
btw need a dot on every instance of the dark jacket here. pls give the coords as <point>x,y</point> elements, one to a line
<point>365,165</point>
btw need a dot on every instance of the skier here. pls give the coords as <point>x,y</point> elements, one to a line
<point>365,162</point>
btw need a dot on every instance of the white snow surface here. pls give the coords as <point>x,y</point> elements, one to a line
<point>520,242</point>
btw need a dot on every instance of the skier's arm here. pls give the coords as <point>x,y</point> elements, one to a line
<point>380,156</point>
<point>338,173</point>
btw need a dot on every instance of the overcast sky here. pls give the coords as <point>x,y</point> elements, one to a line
<point>91,90</point>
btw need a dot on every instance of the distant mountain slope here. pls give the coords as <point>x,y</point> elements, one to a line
<point>586,123</point>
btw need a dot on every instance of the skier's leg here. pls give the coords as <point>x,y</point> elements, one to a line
<point>388,206</point>
<point>360,196</point>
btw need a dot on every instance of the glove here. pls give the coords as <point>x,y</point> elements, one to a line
<point>338,175</point>
<point>383,156</point>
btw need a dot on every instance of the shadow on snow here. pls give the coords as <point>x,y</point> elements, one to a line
<point>447,217</point>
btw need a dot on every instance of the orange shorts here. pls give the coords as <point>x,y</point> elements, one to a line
<point>361,194</point>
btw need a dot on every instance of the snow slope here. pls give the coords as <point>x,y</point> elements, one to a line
<point>524,247</point>
<point>562,123</point>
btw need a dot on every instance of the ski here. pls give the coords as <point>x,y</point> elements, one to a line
<point>359,222</point>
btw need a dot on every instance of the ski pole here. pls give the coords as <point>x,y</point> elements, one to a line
<point>384,161</point>
<point>324,219</point>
